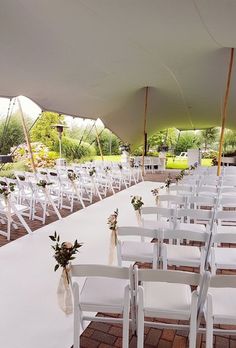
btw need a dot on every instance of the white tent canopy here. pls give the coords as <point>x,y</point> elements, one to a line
<point>93,58</point>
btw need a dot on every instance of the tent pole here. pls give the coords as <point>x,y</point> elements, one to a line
<point>27,138</point>
<point>145,128</point>
<point>224,113</point>
<point>99,144</point>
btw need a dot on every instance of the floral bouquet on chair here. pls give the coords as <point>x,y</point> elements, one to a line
<point>72,176</point>
<point>43,183</point>
<point>64,253</point>
<point>112,223</point>
<point>6,190</point>
<point>137,204</point>
<point>156,193</point>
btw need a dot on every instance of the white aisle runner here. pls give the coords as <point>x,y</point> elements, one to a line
<point>29,313</point>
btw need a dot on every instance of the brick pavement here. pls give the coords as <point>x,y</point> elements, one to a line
<point>103,335</point>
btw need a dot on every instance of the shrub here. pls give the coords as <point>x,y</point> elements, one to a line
<point>72,149</point>
<point>42,156</point>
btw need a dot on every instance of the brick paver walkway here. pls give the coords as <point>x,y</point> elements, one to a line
<point>103,335</point>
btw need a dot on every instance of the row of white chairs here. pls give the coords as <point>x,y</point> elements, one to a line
<point>138,295</point>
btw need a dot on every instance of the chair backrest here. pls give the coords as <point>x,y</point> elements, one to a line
<point>228,190</point>
<point>227,201</point>
<point>172,199</point>
<point>186,234</point>
<point>181,188</point>
<point>202,200</point>
<point>223,281</point>
<point>94,270</point>
<point>200,214</point>
<point>226,215</point>
<point>224,237</point>
<point>181,277</point>
<point>136,231</point>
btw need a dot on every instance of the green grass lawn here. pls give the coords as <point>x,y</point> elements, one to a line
<point>171,163</point>
<point>183,164</point>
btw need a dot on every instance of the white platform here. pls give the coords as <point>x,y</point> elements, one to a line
<point>29,314</point>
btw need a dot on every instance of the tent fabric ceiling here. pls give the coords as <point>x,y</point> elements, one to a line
<point>93,58</point>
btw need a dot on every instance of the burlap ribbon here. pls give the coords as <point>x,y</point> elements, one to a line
<point>113,244</point>
<point>64,292</point>
<point>138,216</point>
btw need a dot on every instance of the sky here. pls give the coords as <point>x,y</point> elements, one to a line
<point>31,109</point>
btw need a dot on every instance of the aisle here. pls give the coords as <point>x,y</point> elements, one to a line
<point>29,314</point>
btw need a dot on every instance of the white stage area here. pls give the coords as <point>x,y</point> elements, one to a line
<point>29,313</point>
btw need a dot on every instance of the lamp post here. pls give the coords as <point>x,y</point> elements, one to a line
<point>60,128</point>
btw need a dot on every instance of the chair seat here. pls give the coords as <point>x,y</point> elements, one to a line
<point>165,300</point>
<point>191,227</point>
<point>224,305</point>
<point>19,207</point>
<point>137,251</point>
<point>183,255</point>
<point>103,294</point>
<point>225,257</point>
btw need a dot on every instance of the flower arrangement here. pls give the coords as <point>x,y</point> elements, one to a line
<point>64,253</point>
<point>72,176</point>
<point>120,166</point>
<point>137,202</point>
<point>214,161</point>
<point>168,182</point>
<point>131,162</point>
<point>92,171</point>
<point>43,183</point>
<point>112,220</point>
<point>107,169</point>
<point>6,190</point>
<point>178,177</point>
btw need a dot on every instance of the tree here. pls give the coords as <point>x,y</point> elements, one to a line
<point>167,137</point>
<point>43,131</point>
<point>12,135</point>
<point>110,143</point>
<point>209,136</point>
<point>187,140</point>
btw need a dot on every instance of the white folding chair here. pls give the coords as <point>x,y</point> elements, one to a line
<point>222,257</point>
<point>184,255</point>
<point>226,217</point>
<point>168,295</point>
<point>220,307</point>
<point>7,212</point>
<point>172,201</point>
<point>137,250</point>
<point>157,218</point>
<point>106,289</point>
<point>193,219</point>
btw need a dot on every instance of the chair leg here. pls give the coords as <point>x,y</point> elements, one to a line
<point>77,317</point>
<point>125,339</point>
<point>140,319</point>
<point>193,322</point>
<point>209,323</point>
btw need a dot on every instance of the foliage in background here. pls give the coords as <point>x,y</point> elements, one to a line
<point>187,140</point>
<point>11,135</point>
<point>43,131</point>
<point>42,156</point>
<point>72,149</point>
<point>110,143</point>
<point>209,136</point>
<point>229,145</point>
<point>167,137</point>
